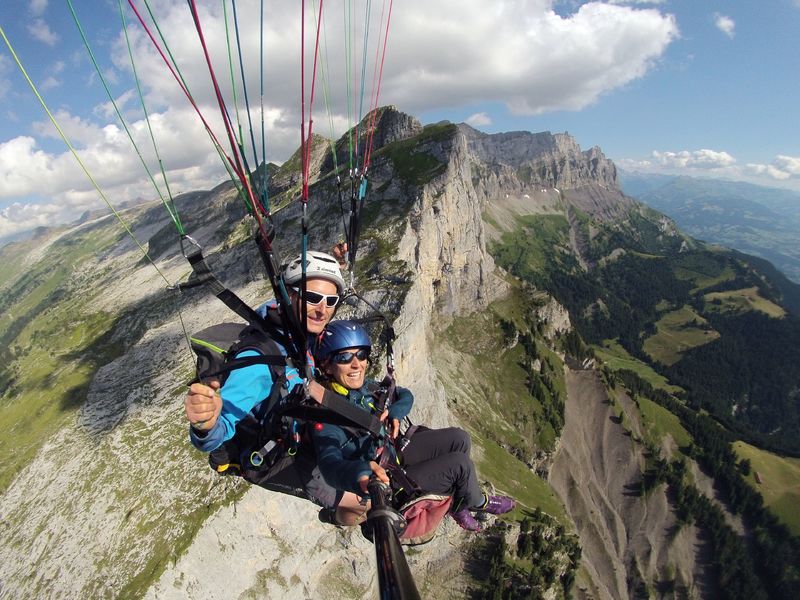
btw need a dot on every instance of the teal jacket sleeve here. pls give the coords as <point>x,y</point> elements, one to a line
<point>338,458</point>
<point>400,408</point>
<point>244,389</point>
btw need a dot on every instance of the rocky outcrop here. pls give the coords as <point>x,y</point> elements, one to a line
<point>554,319</point>
<point>543,159</point>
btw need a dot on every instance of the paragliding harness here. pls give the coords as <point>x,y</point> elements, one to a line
<point>421,511</point>
<point>268,443</point>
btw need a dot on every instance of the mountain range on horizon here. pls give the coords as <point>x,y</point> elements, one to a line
<point>754,219</point>
<point>633,387</point>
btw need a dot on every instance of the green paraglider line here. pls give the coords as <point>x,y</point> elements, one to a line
<point>172,214</point>
<point>172,209</point>
<point>75,154</point>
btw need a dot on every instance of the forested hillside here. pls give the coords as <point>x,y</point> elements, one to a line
<point>713,321</point>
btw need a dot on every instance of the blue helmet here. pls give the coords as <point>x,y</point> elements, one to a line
<point>342,334</point>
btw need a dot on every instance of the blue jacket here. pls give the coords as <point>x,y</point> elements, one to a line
<point>343,457</point>
<point>242,393</point>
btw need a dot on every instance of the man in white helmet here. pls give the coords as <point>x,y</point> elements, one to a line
<point>219,416</point>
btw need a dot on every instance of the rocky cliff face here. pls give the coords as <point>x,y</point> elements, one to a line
<point>628,540</point>
<point>117,500</point>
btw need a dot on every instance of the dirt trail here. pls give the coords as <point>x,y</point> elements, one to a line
<point>631,546</point>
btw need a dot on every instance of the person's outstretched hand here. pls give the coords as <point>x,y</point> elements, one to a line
<point>203,405</point>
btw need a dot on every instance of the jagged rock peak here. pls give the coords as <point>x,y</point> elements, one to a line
<point>391,125</point>
<point>548,159</point>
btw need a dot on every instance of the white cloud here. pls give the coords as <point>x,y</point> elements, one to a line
<point>521,53</point>
<point>37,7</point>
<point>789,164</point>
<point>49,83</point>
<point>634,164</point>
<point>41,31</point>
<point>27,170</point>
<point>768,170</point>
<point>701,159</point>
<point>725,24</point>
<point>106,109</point>
<point>639,1</point>
<point>455,53</point>
<point>19,217</point>
<point>479,119</point>
<point>782,168</point>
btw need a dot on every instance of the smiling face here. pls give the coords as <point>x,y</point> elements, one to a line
<point>350,374</point>
<point>318,314</point>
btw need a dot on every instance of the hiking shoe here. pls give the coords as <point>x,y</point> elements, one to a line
<point>498,505</point>
<point>465,520</point>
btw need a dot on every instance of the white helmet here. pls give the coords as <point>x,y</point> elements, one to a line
<point>318,265</point>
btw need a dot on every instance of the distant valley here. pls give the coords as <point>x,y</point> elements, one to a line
<point>757,220</point>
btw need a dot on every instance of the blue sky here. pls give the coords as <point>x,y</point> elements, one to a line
<point>703,88</point>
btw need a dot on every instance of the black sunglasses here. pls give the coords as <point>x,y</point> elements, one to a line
<point>343,358</point>
<point>314,298</point>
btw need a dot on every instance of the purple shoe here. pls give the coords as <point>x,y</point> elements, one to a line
<point>498,505</point>
<point>465,520</point>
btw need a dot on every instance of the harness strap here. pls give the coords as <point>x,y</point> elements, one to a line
<point>240,363</point>
<point>204,276</point>
<point>335,410</point>
<point>342,406</point>
<point>266,431</point>
<point>335,415</point>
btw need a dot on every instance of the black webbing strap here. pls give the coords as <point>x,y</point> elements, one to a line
<point>295,339</point>
<point>204,276</point>
<point>335,410</point>
<point>247,361</point>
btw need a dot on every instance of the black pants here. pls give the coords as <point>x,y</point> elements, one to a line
<point>438,461</point>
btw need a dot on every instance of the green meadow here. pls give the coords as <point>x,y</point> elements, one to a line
<point>616,358</point>
<point>780,482</point>
<point>678,331</point>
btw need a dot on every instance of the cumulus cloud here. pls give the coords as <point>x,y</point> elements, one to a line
<point>480,119</point>
<point>455,53</point>
<point>703,159</point>
<point>41,31</point>
<point>520,53</point>
<point>789,164</point>
<point>49,83</point>
<point>782,168</point>
<point>20,217</point>
<point>37,7</point>
<point>725,24</point>
<point>635,164</point>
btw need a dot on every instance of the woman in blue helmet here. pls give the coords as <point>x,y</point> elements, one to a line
<point>437,460</point>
